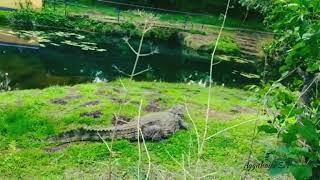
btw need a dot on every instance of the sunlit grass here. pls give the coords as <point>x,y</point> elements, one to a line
<point>28,117</point>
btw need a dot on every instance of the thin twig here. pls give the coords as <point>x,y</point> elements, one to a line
<point>148,155</point>
<point>104,142</point>
<point>194,126</point>
<point>143,71</point>
<point>115,129</point>
<point>232,127</point>
<point>138,138</point>
<point>186,171</point>
<point>144,144</point>
<point>138,53</point>
<point>130,46</point>
<point>210,86</point>
<point>315,79</point>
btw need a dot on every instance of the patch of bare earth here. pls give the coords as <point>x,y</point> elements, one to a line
<point>93,114</point>
<point>90,103</point>
<point>120,120</point>
<point>64,100</point>
<point>220,115</point>
<point>154,106</point>
<point>243,109</point>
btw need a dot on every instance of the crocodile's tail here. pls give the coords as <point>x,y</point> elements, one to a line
<point>80,134</point>
<point>86,134</point>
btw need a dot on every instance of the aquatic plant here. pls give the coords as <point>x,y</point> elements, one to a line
<point>58,38</point>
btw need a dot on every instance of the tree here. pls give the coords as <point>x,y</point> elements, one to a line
<point>263,6</point>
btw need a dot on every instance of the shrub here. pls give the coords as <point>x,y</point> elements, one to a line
<point>4,18</point>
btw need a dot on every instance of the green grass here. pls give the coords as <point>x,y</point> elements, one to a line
<point>226,45</point>
<point>28,117</point>
<point>4,17</point>
<point>19,123</point>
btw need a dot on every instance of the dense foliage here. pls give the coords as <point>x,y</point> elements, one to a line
<point>296,53</point>
<point>261,5</point>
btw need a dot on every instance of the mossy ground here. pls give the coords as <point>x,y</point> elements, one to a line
<point>28,117</point>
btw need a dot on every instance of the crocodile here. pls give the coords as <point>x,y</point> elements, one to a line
<point>154,127</point>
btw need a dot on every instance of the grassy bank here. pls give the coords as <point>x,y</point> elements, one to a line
<point>232,43</point>
<point>46,20</point>
<point>49,20</point>
<point>104,10</point>
<point>28,117</point>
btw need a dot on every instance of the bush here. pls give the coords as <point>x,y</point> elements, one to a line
<point>162,33</point>
<point>22,18</point>
<point>4,18</point>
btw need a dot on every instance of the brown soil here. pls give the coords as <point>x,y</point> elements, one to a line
<point>221,115</point>
<point>90,103</point>
<point>242,109</point>
<point>154,106</point>
<point>93,114</point>
<point>64,100</point>
<point>121,120</point>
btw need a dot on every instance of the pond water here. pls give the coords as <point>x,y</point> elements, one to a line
<point>71,59</point>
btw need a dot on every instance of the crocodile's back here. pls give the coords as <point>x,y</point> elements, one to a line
<point>160,124</point>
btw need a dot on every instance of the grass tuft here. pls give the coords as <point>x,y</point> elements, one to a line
<point>18,123</point>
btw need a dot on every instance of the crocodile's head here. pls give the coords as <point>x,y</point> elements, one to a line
<point>179,110</point>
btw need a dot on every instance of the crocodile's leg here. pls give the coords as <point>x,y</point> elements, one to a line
<point>153,133</point>
<point>183,125</point>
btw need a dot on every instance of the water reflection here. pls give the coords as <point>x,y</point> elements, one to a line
<point>70,64</point>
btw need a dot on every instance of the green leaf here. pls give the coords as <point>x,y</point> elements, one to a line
<point>308,131</point>
<point>291,120</point>
<point>307,36</point>
<point>291,135</point>
<point>301,172</point>
<point>278,168</point>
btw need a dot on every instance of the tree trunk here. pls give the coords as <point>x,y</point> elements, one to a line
<point>307,89</point>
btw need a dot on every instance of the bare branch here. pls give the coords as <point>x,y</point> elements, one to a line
<point>104,142</point>
<point>232,127</point>
<point>120,71</point>
<point>210,88</point>
<point>138,138</point>
<point>182,166</point>
<point>148,69</point>
<point>126,40</point>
